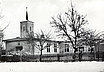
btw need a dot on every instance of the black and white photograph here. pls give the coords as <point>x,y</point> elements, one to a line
<point>51,35</point>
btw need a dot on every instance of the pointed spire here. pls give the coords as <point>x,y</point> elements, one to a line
<point>26,14</point>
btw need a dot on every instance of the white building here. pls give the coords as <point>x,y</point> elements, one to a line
<point>27,27</point>
<point>1,43</point>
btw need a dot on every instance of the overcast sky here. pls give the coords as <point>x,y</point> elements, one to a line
<point>40,12</point>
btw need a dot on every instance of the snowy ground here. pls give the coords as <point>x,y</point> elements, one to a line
<point>52,67</point>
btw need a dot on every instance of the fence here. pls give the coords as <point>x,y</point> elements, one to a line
<point>67,57</point>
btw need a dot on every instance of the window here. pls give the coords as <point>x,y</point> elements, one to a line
<point>23,28</point>
<point>55,47</point>
<point>66,47</point>
<point>81,48</point>
<point>18,43</point>
<point>48,47</point>
<point>30,28</point>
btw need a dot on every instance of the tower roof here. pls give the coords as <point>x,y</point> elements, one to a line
<point>26,14</point>
<point>27,19</point>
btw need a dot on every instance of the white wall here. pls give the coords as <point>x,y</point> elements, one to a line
<point>28,49</point>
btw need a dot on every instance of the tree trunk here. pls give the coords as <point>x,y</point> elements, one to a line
<point>58,57</point>
<point>74,55</point>
<point>75,47</point>
<point>41,56</point>
<point>80,55</point>
<point>41,53</point>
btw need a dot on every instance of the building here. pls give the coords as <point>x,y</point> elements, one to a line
<point>21,43</point>
<point>1,43</point>
<point>99,50</point>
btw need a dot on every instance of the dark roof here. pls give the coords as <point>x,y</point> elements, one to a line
<point>14,39</point>
<point>24,39</point>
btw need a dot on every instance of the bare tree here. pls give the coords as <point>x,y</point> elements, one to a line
<point>70,24</point>
<point>2,36</point>
<point>2,29</point>
<point>30,40</point>
<point>38,40</point>
<point>90,37</point>
<point>42,42</point>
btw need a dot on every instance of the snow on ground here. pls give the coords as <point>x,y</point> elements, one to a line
<point>52,67</point>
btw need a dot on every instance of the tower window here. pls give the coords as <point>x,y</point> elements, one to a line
<point>30,28</point>
<point>23,28</point>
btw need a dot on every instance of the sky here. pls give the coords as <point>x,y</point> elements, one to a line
<point>41,11</point>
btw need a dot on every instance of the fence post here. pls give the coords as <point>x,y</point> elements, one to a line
<point>98,52</point>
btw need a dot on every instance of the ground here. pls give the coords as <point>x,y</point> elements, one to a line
<point>52,67</point>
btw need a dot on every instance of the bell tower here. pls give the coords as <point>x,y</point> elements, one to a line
<point>26,27</point>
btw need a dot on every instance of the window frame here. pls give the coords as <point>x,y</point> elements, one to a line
<point>66,47</point>
<point>30,28</point>
<point>48,47</point>
<point>55,47</point>
<point>24,28</point>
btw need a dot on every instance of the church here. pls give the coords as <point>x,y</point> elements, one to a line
<point>15,45</point>
<point>20,45</point>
